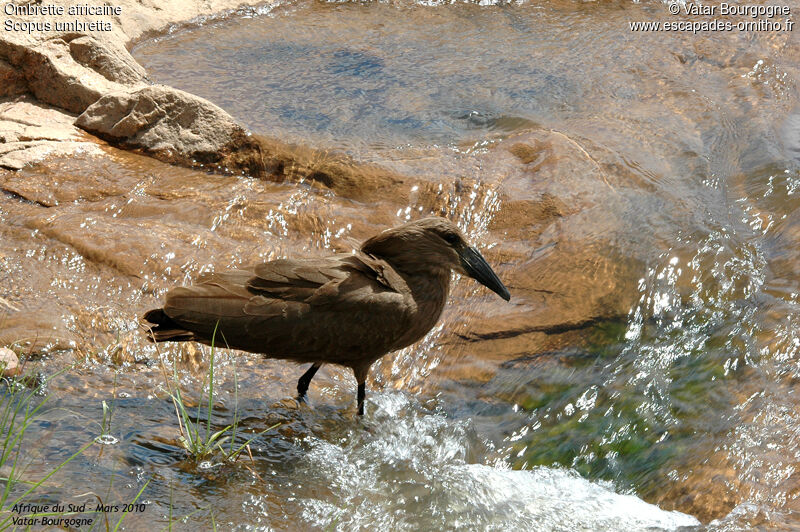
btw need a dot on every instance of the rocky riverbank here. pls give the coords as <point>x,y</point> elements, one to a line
<point>64,92</point>
<point>54,82</point>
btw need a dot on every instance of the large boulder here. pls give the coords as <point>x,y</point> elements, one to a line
<point>168,123</point>
<point>55,76</point>
<point>182,128</point>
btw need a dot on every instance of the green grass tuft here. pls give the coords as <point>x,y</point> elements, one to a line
<point>208,444</point>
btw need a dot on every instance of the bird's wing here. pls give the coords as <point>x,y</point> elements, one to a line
<point>292,279</point>
<point>341,304</point>
<point>310,280</point>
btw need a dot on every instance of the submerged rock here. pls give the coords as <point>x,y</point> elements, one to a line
<point>708,490</point>
<point>278,161</point>
<point>556,227</point>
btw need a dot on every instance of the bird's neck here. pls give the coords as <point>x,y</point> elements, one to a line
<point>429,286</point>
<point>429,290</point>
<point>428,283</point>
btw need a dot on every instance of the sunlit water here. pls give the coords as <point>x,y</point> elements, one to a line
<point>676,156</point>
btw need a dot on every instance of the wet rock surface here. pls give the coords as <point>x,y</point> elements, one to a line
<point>568,273</point>
<point>560,285</point>
<point>278,161</point>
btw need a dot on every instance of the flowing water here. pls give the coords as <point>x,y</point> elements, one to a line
<point>639,193</point>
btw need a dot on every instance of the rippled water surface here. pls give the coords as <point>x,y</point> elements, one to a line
<point>638,192</point>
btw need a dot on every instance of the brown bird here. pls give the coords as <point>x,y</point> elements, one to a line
<point>347,309</point>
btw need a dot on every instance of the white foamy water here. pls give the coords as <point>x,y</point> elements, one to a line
<point>410,470</point>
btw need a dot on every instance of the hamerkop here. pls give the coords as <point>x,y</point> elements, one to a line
<point>347,309</point>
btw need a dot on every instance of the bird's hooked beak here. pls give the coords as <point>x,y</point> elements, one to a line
<point>476,267</point>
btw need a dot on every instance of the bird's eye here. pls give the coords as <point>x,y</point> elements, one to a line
<point>451,238</point>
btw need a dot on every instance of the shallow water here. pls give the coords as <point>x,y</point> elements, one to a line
<point>638,192</point>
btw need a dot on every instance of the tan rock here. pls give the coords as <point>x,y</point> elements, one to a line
<point>9,363</point>
<point>25,119</point>
<point>166,122</point>
<point>31,131</point>
<point>95,76</point>
<point>55,77</point>
<point>12,81</point>
<point>178,127</point>
<point>108,59</point>
<point>17,155</point>
<point>72,69</point>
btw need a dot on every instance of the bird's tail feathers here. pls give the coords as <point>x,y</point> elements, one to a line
<point>161,328</point>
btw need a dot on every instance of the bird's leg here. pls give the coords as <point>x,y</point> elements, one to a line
<point>361,379</point>
<point>362,392</point>
<point>305,380</point>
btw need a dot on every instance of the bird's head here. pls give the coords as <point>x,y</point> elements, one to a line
<point>433,244</point>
